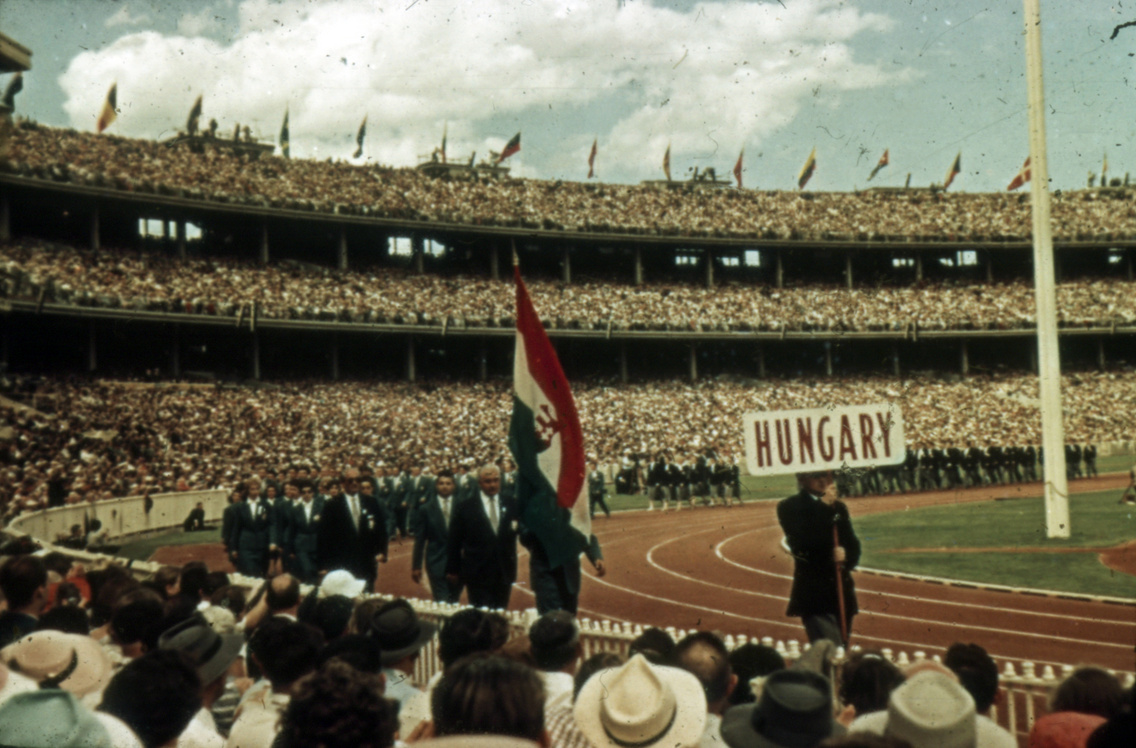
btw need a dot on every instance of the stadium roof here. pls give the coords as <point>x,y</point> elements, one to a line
<point>14,57</point>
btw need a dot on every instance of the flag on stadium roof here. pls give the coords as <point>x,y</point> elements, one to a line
<point>547,442</point>
<point>109,111</point>
<point>738,168</point>
<point>194,116</point>
<point>667,162</point>
<point>592,159</point>
<point>1104,170</point>
<point>285,137</point>
<point>1022,177</point>
<point>807,170</point>
<point>511,147</point>
<point>445,127</point>
<point>956,169</point>
<point>359,138</point>
<point>15,85</point>
<point>879,165</point>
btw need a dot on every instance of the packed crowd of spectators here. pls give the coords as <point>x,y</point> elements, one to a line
<point>110,162</point>
<point>230,287</point>
<point>99,439</point>
<point>99,659</point>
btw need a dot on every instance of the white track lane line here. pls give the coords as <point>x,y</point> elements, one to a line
<point>651,561</point>
<point>718,551</point>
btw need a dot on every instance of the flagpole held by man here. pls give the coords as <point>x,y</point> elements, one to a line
<point>547,444</point>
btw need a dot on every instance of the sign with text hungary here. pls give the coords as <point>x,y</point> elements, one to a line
<point>797,441</point>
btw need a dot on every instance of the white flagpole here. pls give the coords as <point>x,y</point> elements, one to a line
<point>1048,359</point>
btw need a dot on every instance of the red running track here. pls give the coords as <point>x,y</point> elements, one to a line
<point>723,569</point>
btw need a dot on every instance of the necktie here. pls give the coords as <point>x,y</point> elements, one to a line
<point>355,510</point>
<point>446,509</point>
<point>493,518</point>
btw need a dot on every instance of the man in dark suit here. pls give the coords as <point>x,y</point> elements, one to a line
<point>430,526</point>
<point>482,547</point>
<point>596,490</point>
<point>195,522</point>
<point>254,534</point>
<point>353,532</point>
<point>418,488</point>
<point>229,520</point>
<point>807,520</point>
<point>302,544</point>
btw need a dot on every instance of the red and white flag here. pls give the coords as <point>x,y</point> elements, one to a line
<point>592,159</point>
<point>1022,178</point>
<point>547,442</point>
<point>738,168</point>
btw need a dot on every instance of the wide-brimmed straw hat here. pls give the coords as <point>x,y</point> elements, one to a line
<point>640,704</point>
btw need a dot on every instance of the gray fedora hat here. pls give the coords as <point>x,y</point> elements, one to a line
<point>399,632</point>
<point>211,653</point>
<point>795,711</point>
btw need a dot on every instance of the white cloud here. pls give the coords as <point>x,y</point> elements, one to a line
<point>122,17</point>
<point>197,24</point>
<point>718,76</point>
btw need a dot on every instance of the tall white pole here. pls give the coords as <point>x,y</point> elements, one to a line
<point>1049,359</point>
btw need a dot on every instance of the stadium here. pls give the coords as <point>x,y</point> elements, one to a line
<point>180,316</point>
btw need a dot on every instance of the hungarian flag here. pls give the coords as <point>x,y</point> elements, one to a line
<point>285,138</point>
<point>807,170</point>
<point>1022,178</point>
<point>592,159</point>
<point>547,442</point>
<point>15,85</point>
<point>109,111</point>
<point>956,169</point>
<point>359,138</point>
<point>667,162</point>
<point>881,164</point>
<point>738,168</point>
<point>511,147</point>
<point>194,116</point>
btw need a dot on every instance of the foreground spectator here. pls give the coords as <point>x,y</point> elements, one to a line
<point>401,636</point>
<point>54,659</point>
<point>641,704</point>
<point>212,655</point>
<point>704,655</point>
<point>156,695</point>
<point>285,652</point>
<point>866,682</point>
<point>485,694</point>
<point>23,581</point>
<point>752,663</point>
<point>554,641</point>
<point>338,706</point>
<point>51,718</point>
<point>794,711</point>
<point>929,708</point>
<point>1064,730</point>
<point>1088,690</point>
<point>978,674</point>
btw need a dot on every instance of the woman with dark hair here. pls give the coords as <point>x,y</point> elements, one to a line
<point>338,706</point>
<point>866,680</point>
<point>486,694</point>
<point>1088,690</point>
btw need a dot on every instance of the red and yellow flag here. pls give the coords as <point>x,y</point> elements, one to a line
<point>109,111</point>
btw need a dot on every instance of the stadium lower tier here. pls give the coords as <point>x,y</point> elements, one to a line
<point>99,439</point>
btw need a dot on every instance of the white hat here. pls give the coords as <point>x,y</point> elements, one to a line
<point>69,661</point>
<point>932,710</point>
<point>341,582</point>
<point>641,704</point>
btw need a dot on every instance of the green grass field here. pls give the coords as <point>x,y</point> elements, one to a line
<point>1097,521</point>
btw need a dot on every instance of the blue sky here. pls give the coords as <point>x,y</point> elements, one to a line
<point>924,79</point>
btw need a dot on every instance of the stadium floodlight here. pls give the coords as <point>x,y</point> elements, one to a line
<point>1048,358</point>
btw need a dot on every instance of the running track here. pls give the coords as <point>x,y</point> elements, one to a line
<point>722,569</point>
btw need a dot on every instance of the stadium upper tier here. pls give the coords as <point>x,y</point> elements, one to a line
<point>228,287</point>
<point>555,207</point>
<point>110,439</point>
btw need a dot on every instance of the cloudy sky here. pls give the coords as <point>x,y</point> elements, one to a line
<point>924,78</point>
